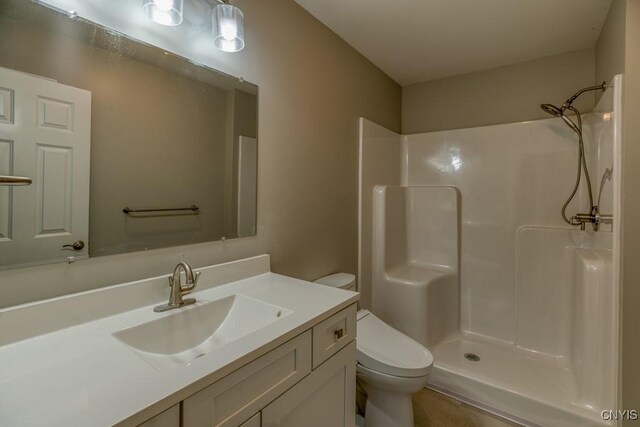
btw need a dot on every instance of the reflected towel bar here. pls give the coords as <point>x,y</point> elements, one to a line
<point>192,208</point>
<point>14,180</point>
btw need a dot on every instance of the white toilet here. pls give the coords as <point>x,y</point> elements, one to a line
<point>391,366</point>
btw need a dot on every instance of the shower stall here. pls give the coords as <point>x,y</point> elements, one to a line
<point>519,308</point>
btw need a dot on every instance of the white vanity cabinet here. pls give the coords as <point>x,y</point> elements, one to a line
<point>309,380</point>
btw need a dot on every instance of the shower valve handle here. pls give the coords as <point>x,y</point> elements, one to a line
<point>595,218</point>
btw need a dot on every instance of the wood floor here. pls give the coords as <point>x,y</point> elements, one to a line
<point>432,409</point>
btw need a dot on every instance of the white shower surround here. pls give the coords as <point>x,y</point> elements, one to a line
<point>547,337</point>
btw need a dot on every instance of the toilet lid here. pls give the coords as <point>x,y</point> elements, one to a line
<point>384,349</point>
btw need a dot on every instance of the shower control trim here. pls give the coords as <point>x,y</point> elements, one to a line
<point>595,218</point>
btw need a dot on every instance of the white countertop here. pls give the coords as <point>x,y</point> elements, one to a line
<point>83,376</point>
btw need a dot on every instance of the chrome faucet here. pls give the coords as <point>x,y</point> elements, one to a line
<point>177,290</point>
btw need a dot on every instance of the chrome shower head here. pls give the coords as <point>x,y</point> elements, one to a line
<point>559,112</point>
<point>552,109</point>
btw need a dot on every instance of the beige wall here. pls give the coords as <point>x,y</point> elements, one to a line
<point>630,207</point>
<point>610,45</point>
<point>313,88</point>
<point>506,94</point>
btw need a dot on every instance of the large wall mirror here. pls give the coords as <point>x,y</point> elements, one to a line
<point>127,147</point>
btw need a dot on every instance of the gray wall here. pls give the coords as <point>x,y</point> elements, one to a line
<point>313,88</point>
<point>506,94</point>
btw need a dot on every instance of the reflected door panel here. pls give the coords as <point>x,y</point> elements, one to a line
<point>45,134</point>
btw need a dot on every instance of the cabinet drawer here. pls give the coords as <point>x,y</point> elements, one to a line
<point>332,334</point>
<point>235,398</point>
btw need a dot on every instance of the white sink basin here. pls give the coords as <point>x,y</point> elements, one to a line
<point>192,331</point>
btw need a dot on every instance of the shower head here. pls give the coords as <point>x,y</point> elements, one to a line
<point>559,112</point>
<point>552,109</point>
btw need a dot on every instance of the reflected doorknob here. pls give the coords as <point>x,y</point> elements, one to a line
<point>77,246</point>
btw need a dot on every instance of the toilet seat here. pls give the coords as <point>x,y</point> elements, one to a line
<point>384,349</point>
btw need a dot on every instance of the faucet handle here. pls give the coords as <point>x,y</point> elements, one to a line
<point>191,283</point>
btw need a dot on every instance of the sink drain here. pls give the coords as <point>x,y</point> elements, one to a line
<point>472,357</point>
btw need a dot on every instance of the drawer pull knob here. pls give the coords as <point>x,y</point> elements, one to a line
<point>338,333</point>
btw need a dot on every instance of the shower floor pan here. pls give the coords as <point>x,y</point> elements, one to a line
<point>526,387</point>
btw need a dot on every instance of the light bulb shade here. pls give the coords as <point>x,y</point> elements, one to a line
<point>165,12</point>
<point>228,28</point>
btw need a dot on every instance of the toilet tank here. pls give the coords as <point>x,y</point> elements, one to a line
<point>339,280</point>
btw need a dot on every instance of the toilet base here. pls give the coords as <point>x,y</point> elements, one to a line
<point>386,409</point>
<point>388,398</point>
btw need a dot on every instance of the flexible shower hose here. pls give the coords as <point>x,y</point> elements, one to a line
<point>582,164</point>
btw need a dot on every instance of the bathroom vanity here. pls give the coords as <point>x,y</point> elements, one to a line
<point>256,349</point>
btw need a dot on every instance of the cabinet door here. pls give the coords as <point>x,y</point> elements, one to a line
<point>324,398</point>
<point>168,418</point>
<point>241,394</point>
<point>253,421</point>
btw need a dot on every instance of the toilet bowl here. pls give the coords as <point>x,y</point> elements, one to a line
<point>391,366</point>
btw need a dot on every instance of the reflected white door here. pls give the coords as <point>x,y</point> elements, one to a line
<point>45,134</point>
<point>247,186</point>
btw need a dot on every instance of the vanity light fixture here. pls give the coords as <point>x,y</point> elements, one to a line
<point>164,12</point>
<point>228,27</point>
<point>227,20</point>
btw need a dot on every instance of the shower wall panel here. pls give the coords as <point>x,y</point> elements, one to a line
<point>512,177</point>
<point>379,158</point>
